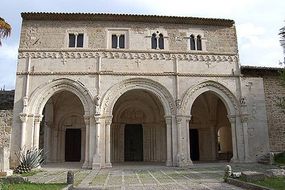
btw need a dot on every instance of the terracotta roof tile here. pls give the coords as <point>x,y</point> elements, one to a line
<point>125,17</point>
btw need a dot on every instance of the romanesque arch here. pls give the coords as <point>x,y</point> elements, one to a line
<point>42,94</point>
<point>156,88</point>
<point>221,91</point>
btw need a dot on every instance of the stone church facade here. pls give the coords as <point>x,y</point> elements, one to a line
<point>104,88</point>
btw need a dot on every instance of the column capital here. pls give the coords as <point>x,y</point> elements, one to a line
<point>168,119</point>
<point>23,117</point>
<point>108,120</point>
<point>232,118</point>
<point>86,119</point>
<point>244,118</point>
<point>97,119</point>
<point>38,118</point>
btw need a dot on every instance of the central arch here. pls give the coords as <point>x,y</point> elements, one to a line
<point>138,129</point>
<point>156,91</point>
<point>156,88</point>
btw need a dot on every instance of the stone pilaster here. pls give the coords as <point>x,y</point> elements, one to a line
<point>108,122</point>
<point>86,163</point>
<point>183,161</point>
<point>168,121</point>
<point>232,120</point>
<point>37,122</point>
<point>95,132</point>
<point>24,119</point>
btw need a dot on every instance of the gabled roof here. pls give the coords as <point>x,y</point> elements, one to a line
<point>125,18</point>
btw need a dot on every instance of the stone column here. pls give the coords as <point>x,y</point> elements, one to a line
<point>24,119</point>
<point>188,138</point>
<point>168,121</point>
<point>47,141</point>
<point>232,119</point>
<point>86,163</point>
<point>213,138</point>
<point>244,120</point>
<point>108,122</point>
<point>95,132</point>
<point>182,142</point>
<point>37,122</point>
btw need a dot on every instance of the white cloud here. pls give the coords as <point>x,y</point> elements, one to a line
<point>9,51</point>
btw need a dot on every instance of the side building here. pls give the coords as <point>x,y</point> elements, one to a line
<point>106,88</point>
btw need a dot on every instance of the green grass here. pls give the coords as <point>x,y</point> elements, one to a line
<point>31,186</point>
<point>277,183</point>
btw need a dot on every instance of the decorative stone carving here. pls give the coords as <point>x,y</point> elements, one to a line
<point>97,105</point>
<point>126,54</point>
<point>191,91</point>
<point>32,37</point>
<point>124,86</point>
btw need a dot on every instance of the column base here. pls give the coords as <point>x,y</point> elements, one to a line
<point>6,173</point>
<point>108,165</point>
<point>168,163</point>
<point>96,164</point>
<point>86,165</point>
<point>182,162</point>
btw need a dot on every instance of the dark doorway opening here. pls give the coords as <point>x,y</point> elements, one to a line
<point>73,145</point>
<point>133,142</point>
<point>194,144</point>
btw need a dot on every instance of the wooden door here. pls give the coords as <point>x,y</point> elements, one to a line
<point>133,142</point>
<point>73,145</point>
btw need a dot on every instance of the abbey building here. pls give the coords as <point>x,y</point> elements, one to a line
<point>105,88</point>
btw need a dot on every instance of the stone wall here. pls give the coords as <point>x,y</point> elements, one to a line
<point>6,116</point>
<point>273,89</point>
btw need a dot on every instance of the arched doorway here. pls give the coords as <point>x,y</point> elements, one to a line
<point>62,132</point>
<point>209,129</point>
<point>138,129</point>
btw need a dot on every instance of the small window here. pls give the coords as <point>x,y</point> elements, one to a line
<point>122,41</point>
<point>71,40</point>
<point>153,41</point>
<point>192,42</point>
<point>80,39</point>
<point>157,41</point>
<point>114,41</point>
<point>76,40</point>
<point>161,41</point>
<point>199,43</point>
<point>118,41</point>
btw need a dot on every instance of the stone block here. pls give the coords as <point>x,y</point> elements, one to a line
<point>252,175</point>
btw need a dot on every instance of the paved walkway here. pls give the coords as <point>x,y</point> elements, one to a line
<point>200,176</point>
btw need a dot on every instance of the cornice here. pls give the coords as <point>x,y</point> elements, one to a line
<point>126,54</point>
<point>125,18</point>
<point>127,74</point>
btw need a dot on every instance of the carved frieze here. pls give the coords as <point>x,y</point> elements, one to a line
<point>126,54</point>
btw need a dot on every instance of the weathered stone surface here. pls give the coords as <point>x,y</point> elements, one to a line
<point>275,172</point>
<point>252,175</point>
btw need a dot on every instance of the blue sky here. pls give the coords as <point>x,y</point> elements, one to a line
<point>257,21</point>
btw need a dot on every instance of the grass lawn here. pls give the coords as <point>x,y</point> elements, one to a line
<point>277,183</point>
<point>31,186</point>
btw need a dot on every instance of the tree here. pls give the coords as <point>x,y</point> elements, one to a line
<point>281,100</point>
<point>282,41</point>
<point>5,29</point>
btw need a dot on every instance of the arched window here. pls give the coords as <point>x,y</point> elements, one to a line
<point>199,43</point>
<point>192,42</point>
<point>122,41</point>
<point>161,41</point>
<point>114,41</point>
<point>153,41</point>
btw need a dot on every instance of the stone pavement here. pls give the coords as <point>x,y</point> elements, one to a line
<point>142,176</point>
